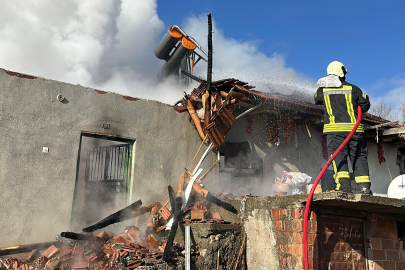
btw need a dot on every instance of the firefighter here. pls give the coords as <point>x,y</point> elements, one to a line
<point>340,100</point>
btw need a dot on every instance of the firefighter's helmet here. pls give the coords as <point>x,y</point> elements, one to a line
<point>336,68</point>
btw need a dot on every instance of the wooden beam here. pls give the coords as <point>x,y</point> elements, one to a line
<point>394,131</point>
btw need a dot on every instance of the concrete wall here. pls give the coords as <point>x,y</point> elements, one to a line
<point>37,189</point>
<point>380,174</point>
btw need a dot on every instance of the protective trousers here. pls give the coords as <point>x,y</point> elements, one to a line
<point>356,149</point>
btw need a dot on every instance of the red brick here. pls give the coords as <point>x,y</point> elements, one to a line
<point>379,255</point>
<point>311,251</point>
<point>297,213</point>
<point>296,238</point>
<point>387,244</point>
<point>197,214</point>
<point>385,233</point>
<point>278,214</point>
<point>399,245</point>
<point>297,225</point>
<point>311,238</point>
<point>278,224</point>
<point>391,233</point>
<point>388,265</point>
<point>374,224</point>
<point>313,226</point>
<point>387,223</point>
<point>281,249</point>
<point>296,250</point>
<point>392,255</point>
<point>375,243</point>
<point>400,265</point>
<point>313,263</point>
<point>283,261</point>
<point>402,255</point>
<point>313,216</point>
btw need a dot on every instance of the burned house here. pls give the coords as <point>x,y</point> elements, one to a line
<point>72,155</point>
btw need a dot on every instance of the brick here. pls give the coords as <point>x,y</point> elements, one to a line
<point>278,214</point>
<point>387,223</point>
<point>52,250</point>
<point>296,238</point>
<point>398,245</point>
<point>400,265</point>
<point>283,261</point>
<point>313,226</point>
<point>388,265</point>
<point>313,263</point>
<point>387,244</point>
<point>296,250</point>
<point>375,243</point>
<point>379,255</point>
<point>297,225</point>
<point>165,213</point>
<point>402,255</point>
<point>311,238</point>
<point>392,255</point>
<point>197,214</point>
<point>391,233</point>
<point>297,213</point>
<point>281,249</point>
<point>374,224</point>
<point>311,251</point>
<point>278,224</point>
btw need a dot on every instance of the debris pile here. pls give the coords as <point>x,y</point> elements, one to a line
<point>103,251</point>
<point>84,251</point>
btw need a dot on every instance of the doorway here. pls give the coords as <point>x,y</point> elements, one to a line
<point>103,178</point>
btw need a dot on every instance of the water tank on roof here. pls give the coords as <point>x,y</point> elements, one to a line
<point>174,63</point>
<point>397,188</point>
<point>167,44</point>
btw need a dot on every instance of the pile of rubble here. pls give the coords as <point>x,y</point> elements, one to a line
<point>79,251</point>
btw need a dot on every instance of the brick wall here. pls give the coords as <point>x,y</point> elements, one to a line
<point>385,251</point>
<point>288,228</point>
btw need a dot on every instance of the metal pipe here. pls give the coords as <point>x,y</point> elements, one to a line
<point>187,244</point>
<point>248,111</point>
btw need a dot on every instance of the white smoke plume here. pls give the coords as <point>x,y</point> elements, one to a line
<point>110,44</point>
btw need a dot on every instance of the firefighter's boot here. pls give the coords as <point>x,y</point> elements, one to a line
<point>364,188</point>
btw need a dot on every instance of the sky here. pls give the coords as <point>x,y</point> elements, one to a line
<point>277,46</point>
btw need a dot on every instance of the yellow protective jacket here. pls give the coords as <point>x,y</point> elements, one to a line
<point>341,107</point>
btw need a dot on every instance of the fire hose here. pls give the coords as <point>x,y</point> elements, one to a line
<point>311,193</point>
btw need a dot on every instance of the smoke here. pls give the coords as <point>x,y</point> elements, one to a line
<point>110,44</point>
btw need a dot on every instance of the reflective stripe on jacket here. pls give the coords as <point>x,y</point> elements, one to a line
<point>341,107</point>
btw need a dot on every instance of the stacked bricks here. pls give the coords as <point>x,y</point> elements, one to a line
<point>384,249</point>
<point>288,229</point>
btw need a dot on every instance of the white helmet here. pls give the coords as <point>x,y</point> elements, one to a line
<point>336,68</point>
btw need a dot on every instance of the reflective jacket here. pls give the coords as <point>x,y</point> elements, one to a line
<point>341,107</point>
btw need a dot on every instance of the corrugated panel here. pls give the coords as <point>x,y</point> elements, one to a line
<point>340,244</point>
